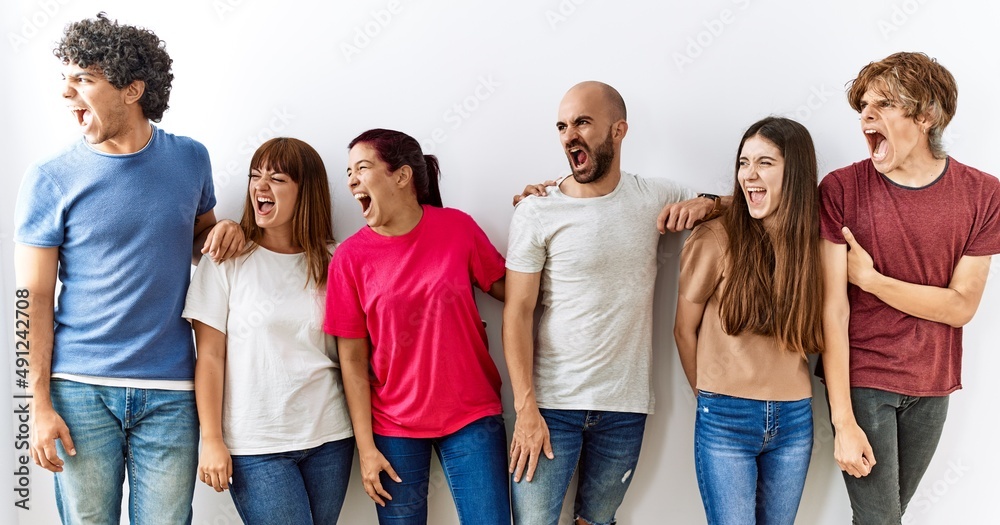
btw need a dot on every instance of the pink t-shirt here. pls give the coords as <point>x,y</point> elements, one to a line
<point>431,370</point>
<point>915,235</point>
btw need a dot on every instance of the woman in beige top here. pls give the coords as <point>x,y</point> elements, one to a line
<point>748,312</point>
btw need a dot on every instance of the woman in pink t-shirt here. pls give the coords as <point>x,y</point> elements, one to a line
<point>417,370</point>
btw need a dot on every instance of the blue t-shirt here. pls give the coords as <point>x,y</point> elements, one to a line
<point>124,226</point>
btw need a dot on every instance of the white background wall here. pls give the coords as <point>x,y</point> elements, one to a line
<point>479,84</point>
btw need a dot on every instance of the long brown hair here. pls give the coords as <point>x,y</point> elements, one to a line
<point>312,222</point>
<point>774,281</point>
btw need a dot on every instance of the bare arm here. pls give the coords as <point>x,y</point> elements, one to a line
<point>221,240</point>
<point>954,305</point>
<point>851,448</point>
<point>354,357</point>
<point>215,467</point>
<point>531,434</point>
<point>687,214</point>
<point>35,272</point>
<point>686,325</point>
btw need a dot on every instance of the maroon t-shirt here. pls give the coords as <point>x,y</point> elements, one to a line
<point>915,235</point>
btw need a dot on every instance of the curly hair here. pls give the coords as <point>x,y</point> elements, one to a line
<point>124,54</point>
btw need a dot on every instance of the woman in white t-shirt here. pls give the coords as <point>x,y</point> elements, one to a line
<point>274,424</point>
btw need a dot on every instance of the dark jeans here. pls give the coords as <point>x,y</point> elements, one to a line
<point>904,432</point>
<point>299,487</point>
<point>474,460</point>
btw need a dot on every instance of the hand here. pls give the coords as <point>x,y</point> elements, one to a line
<point>531,436</point>
<point>373,463</point>
<point>860,266</point>
<point>49,426</point>
<point>684,215</point>
<point>852,451</point>
<point>225,240</point>
<point>533,189</point>
<point>215,468</point>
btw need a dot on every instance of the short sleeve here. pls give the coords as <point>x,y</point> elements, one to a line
<point>986,239</point>
<point>208,294</point>
<point>344,317</point>
<point>670,191</point>
<point>701,265</point>
<point>831,209</point>
<point>525,245</point>
<point>39,215</point>
<point>207,201</point>
<point>487,265</point>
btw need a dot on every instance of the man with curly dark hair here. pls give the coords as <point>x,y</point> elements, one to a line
<point>118,217</point>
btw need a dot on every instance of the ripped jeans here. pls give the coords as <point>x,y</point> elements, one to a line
<point>604,446</point>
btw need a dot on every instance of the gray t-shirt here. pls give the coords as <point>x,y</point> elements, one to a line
<point>597,256</point>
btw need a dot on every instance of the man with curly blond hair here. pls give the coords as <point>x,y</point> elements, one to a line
<point>118,218</point>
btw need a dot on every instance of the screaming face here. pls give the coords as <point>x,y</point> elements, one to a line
<point>590,165</point>
<point>892,137</point>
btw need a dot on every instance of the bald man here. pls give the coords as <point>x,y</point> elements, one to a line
<point>582,384</point>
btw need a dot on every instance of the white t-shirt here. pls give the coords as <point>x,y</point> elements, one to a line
<point>283,390</point>
<point>597,256</point>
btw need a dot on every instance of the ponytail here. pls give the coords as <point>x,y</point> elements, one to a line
<point>433,173</point>
<point>397,149</point>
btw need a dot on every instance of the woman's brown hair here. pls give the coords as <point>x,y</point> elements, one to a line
<point>312,222</point>
<point>774,281</point>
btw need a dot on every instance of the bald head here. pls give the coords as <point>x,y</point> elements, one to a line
<point>609,96</point>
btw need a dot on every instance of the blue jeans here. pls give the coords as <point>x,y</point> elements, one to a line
<point>603,445</point>
<point>300,487</point>
<point>151,434</point>
<point>904,432</point>
<point>474,460</point>
<point>751,457</point>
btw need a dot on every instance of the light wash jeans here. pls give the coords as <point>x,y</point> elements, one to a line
<point>604,446</point>
<point>751,457</point>
<point>150,434</point>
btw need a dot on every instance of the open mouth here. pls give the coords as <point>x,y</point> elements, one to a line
<point>81,115</point>
<point>756,195</point>
<point>578,157</point>
<point>366,203</point>
<point>877,144</point>
<point>264,205</point>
